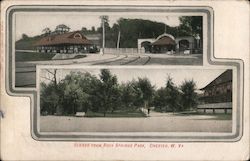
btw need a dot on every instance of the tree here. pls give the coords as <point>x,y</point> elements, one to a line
<point>128,95</point>
<point>49,99</point>
<point>62,28</point>
<point>192,26</point>
<point>24,36</point>
<point>188,95</point>
<point>172,95</point>
<point>93,28</point>
<point>52,94</point>
<point>46,31</point>
<point>160,101</point>
<point>146,89</point>
<point>84,29</point>
<point>89,85</point>
<point>74,97</point>
<point>108,92</point>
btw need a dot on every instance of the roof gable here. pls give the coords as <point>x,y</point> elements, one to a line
<point>164,40</point>
<point>223,78</point>
<point>66,38</point>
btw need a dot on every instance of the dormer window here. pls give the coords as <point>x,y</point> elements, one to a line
<point>78,36</point>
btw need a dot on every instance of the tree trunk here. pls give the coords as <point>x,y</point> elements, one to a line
<point>145,104</point>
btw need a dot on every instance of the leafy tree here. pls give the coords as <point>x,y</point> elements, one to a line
<point>160,101</point>
<point>89,85</point>
<point>173,95</point>
<point>46,31</point>
<point>49,99</point>
<point>73,94</point>
<point>84,29</point>
<point>188,95</point>
<point>128,95</point>
<point>191,25</point>
<point>62,28</point>
<point>52,94</point>
<point>108,91</point>
<point>93,28</point>
<point>146,90</point>
<point>24,36</point>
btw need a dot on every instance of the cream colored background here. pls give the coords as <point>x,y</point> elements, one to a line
<point>231,40</point>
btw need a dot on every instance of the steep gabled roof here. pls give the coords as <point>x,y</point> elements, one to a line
<point>223,78</point>
<point>65,38</point>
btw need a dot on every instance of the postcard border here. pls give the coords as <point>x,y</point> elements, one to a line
<point>212,60</point>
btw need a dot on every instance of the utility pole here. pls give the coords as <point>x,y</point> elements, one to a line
<point>118,40</point>
<point>104,19</point>
<point>166,24</point>
<point>103,35</point>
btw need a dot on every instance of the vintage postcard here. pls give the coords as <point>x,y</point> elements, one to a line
<point>115,81</point>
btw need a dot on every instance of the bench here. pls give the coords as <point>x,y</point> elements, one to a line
<point>80,114</point>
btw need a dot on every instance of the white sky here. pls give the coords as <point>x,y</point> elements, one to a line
<point>34,22</point>
<point>158,77</point>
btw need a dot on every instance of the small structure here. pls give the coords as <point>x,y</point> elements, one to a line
<point>167,43</point>
<point>69,42</point>
<point>185,43</point>
<point>144,45</point>
<point>218,94</point>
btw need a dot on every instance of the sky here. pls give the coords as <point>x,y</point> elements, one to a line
<point>34,22</point>
<point>158,77</point>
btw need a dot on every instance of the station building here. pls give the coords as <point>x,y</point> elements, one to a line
<point>69,42</point>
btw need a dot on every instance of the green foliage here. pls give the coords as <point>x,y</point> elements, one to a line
<point>188,95</point>
<point>108,91</point>
<point>28,56</point>
<point>173,96</point>
<point>49,99</point>
<point>145,90</point>
<point>160,100</point>
<point>128,95</point>
<point>86,93</point>
<point>192,25</point>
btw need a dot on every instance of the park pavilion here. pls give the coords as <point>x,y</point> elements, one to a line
<point>218,93</point>
<point>69,42</point>
<point>163,43</point>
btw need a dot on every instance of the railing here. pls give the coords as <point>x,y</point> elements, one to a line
<point>215,107</point>
<point>121,50</point>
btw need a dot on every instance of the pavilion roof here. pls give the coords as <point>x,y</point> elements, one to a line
<point>65,38</point>
<point>223,78</point>
<point>164,39</point>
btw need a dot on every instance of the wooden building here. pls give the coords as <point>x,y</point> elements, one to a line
<point>218,93</point>
<point>69,42</point>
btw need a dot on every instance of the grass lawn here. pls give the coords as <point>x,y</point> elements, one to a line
<point>34,56</point>
<point>116,114</point>
<point>28,56</point>
<point>79,56</point>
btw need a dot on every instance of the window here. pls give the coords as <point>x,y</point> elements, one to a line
<point>78,36</point>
